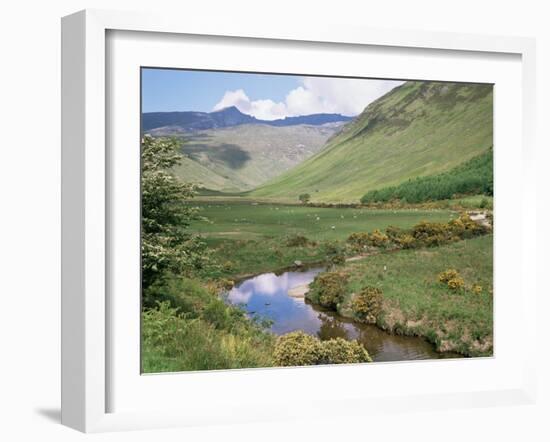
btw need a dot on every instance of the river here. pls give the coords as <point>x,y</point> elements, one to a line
<point>266,295</point>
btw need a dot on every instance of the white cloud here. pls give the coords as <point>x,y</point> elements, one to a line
<point>262,109</point>
<point>315,95</point>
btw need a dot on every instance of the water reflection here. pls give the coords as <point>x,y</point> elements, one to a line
<point>331,328</point>
<point>266,295</point>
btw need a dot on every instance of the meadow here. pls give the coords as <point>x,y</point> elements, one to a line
<point>417,303</point>
<point>246,237</point>
<point>249,219</point>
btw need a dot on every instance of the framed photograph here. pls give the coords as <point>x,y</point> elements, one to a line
<point>261,223</point>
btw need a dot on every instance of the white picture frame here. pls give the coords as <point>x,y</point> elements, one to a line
<point>87,205</point>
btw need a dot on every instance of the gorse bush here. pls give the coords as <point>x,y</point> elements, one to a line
<point>358,240</point>
<point>435,234</point>
<point>406,241</point>
<point>431,234</point>
<point>341,351</point>
<point>393,232</point>
<point>447,275</point>
<point>423,234</point>
<point>477,289</point>
<point>376,238</point>
<point>334,253</point>
<point>464,227</point>
<point>298,349</point>
<point>456,283</point>
<point>299,241</point>
<point>367,304</point>
<point>328,289</point>
<point>400,237</point>
<point>472,177</point>
<point>452,279</point>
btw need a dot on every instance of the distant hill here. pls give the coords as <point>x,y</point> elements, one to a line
<point>244,156</point>
<point>173,123</point>
<point>417,129</point>
<point>313,120</point>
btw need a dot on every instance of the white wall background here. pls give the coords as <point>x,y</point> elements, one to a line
<point>30,214</point>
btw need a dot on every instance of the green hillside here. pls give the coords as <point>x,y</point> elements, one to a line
<point>242,157</point>
<point>474,177</point>
<point>417,129</point>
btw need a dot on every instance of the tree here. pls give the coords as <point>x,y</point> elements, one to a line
<point>304,198</point>
<point>166,245</point>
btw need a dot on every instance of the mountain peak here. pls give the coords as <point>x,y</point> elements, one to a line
<point>228,110</point>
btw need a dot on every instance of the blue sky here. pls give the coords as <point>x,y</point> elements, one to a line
<point>180,90</point>
<point>265,96</point>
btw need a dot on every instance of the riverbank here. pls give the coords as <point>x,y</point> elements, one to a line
<point>414,301</point>
<point>447,319</point>
<point>269,296</point>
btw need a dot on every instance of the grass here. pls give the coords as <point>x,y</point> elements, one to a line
<point>416,303</point>
<point>470,178</point>
<point>197,330</point>
<point>248,220</point>
<point>417,129</point>
<point>248,239</point>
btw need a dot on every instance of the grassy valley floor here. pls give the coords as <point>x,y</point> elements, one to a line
<point>247,238</point>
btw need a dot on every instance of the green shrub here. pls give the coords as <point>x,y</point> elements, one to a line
<point>452,279</point>
<point>472,177</point>
<point>186,294</point>
<point>477,289</point>
<point>447,275</point>
<point>423,234</point>
<point>228,266</point>
<point>217,314</point>
<point>406,241</point>
<point>340,351</point>
<point>328,289</point>
<point>304,198</point>
<point>455,283</point>
<point>167,246</point>
<point>335,254</point>
<point>378,239</point>
<point>367,304</point>
<point>401,238</point>
<point>464,227</point>
<point>362,240</point>
<point>394,233</point>
<point>358,240</point>
<point>298,349</point>
<point>299,241</point>
<point>431,234</point>
<point>175,342</point>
